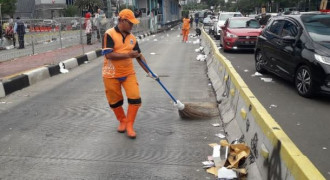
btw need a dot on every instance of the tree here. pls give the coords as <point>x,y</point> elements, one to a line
<point>71,11</point>
<point>90,5</point>
<point>8,7</point>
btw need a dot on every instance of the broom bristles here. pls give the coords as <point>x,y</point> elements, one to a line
<point>199,110</point>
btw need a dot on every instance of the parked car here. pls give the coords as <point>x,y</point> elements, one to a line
<point>222,17</point>
<point>297,48</point>
<point>209,20</point>
<point>240,33</point>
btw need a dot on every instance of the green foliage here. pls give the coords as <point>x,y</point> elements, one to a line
<point>71,11</point>
<point>195,6</point>
<point>123,6</point>
<point>8,7</point>
<point>89,4</point>
<point>185,13</point>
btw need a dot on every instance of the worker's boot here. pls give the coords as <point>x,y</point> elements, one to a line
<point>131,114</point>
<point>121,117</point>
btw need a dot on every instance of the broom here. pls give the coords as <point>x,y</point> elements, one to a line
<point>188,110</point>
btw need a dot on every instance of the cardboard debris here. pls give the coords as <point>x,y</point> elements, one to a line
<point>212,170</point>
<point>237,153</point>
<point>241,171</point>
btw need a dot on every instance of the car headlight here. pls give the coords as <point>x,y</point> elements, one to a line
<point>230,35</point>
<point>322,59</point>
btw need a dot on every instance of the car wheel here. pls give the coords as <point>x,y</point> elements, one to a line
<point>304,81</point>
<point>259,62</point>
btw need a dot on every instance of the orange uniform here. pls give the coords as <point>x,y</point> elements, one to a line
<point>185,29</point>
<point>120,72</point>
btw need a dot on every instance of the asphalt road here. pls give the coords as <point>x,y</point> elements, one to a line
<point>306,121</point>
<point>62,128</point>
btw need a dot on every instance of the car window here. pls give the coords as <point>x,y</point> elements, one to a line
<point>243,23</point>
<point>276,27</point>
<point>289,29</point>
<point>318,27</point>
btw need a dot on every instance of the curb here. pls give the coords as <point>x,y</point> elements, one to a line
<point>31,77</point>
<point>273,152</point>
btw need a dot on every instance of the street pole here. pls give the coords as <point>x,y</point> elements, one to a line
<point>0,15</point>
<point>126,4</point>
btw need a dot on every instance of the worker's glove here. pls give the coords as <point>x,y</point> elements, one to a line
<point>153,77</point>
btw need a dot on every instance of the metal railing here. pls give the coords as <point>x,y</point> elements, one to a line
<point>43,35</point>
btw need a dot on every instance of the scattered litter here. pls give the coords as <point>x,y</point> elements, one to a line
<point>197,170</point>
<point>152,53</point>
<point>213,144</point>
<point>2,102</point>
<point>210,84</point>
<point>226,173</point>
<point>220,47</point>
<point>256,74</point>
<point>324,148</point>
<point>267,79</point>
<point>201,57</point>
<point>62,69</point>
<point>210,158</point>
<point>178,36</point>
<point>272,106</point>
<point>212,170</point>
<point>196,50</point>
<point>86,62</point>
<point>167,35</point>
<point>220,135</point>
<point>216,124</point>
<point>10,47</point>
<point>205,137</point>
<point>246,70</point>
<point>298,124</point>
<point>155,40</point>
<point>208,163</point>
<point>196,42</point>
<point>154,35</point>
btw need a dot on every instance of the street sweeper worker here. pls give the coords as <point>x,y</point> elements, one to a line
<point>120,47</point>
<point>185,28</point>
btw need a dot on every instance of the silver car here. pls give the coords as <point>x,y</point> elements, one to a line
<point>222,17</point>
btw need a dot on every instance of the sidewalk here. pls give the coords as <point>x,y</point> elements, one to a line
<point>10,68</point>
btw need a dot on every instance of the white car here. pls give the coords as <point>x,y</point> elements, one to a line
<point>223,16</point>
<point>208,20</point>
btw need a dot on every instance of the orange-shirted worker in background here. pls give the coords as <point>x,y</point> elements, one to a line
<point>118,71</point>
<point>185,28</point>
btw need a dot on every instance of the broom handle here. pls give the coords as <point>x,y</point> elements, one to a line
<point>158,80</point>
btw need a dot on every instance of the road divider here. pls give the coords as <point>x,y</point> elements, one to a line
<point>246,120</point>
<point>28,78</point>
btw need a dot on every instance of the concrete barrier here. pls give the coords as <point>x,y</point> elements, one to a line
<point>28,78</point>
<point>2,90</point>
<point>37,75</point>
<point>91,55</point>
<point>246,120</point>
<point>70,63</point>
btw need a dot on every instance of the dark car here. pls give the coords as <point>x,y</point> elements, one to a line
<point>239,33</point>
<point>297,48</point>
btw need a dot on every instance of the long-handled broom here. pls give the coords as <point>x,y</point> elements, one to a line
<point>188,110</point>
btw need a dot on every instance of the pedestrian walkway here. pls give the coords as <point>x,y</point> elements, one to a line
<point>12,67</point>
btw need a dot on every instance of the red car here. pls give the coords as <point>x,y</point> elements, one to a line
<point>240,33</point>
